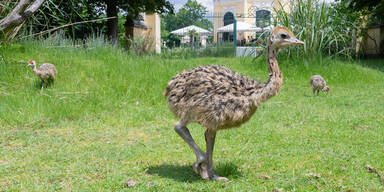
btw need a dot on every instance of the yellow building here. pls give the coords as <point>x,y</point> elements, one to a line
<point>148,29</point>
<point>254,12</point>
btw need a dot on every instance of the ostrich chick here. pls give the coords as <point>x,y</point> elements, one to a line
<point>46,72</point>
<point>318,83</point>
<point>218,98</point>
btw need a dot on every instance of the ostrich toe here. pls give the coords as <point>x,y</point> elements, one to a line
<point>200,160</point>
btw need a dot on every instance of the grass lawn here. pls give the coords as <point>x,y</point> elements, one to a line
<point>105,121</point>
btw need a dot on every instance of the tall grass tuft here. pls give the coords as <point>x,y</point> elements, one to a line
<point>140,45</point>
<point>324,28</point>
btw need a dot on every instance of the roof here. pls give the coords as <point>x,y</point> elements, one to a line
<point>139,24</point>
<point>185,30</point>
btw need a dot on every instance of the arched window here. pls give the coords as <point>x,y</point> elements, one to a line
<point>263,18</point>
<point>228,18</point>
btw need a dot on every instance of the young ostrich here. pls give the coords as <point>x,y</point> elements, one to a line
<point>218,98</point>
<point>46,71</point>
<point>318,83</point>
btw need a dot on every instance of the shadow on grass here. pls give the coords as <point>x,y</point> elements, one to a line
<point>38,83</point>
<point>184,173</point>
<point>377,64</point>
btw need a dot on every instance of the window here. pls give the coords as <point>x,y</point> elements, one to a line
<point>263,18</point>
<point>228,18</point>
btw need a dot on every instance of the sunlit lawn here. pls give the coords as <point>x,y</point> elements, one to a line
<point>105,121</point>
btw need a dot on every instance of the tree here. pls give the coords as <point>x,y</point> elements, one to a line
<point>22,11</point>
<point>132,10</point>
<point>372,8</point>
<point>192,34</point>
<point>192,13</point>
<point>61,12</point>
<point>55,13</point>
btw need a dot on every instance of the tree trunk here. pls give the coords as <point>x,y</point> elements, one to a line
<point>112,24</point>
<point>23,10</point>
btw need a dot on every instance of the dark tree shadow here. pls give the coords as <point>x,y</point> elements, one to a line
<point>377,64</point>
<point>184,173</point>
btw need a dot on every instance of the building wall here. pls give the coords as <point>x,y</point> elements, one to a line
<point>241,9</point>
<point>151,33</point>
<point>153,22</point>
<point>237,7</point>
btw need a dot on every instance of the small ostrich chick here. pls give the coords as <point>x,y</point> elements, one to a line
<point>46,72</point>
<point>318,83</point>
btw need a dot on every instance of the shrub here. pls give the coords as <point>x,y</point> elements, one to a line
<point>326,28</point>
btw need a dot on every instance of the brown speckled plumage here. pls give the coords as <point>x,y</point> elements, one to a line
<point>318,84</point>
<point>213,96</point>
<point>218,98</point>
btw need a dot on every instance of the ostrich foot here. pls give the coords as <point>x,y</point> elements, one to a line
<point>200,159</point>
<point>206,174</point>
<point>203,169</point>
<point>213,176</point>
<point>218,178</point>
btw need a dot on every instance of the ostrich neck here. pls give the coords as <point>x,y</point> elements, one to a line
<point>35,70</point>
<point>275,78</point>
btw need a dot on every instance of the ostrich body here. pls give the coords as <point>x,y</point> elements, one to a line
<point>46,71</point>
<point>218,98</point>
<point>318,83</point>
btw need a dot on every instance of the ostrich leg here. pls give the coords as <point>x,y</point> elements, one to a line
<point>210,140</point>
<point>42,85</point>
<point>184,133</point>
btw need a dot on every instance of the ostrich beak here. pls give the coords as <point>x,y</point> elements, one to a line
<point>294,41</point>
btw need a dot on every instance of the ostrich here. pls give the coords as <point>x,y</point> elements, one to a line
<point>218,98</point>
<point>46,71</point>
<point>318,83</point>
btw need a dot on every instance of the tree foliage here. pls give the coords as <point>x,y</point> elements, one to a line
<point>192,13</point>
<point>131,9</point>
<point>374,9</point>
<point>56,13</point>
<point>59,12</point>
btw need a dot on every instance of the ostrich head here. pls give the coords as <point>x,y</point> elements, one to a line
<point>31,63</point>
<point>326,89</point>
<point>282,37</point>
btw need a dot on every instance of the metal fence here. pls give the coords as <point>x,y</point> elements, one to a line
<point>230,30</point>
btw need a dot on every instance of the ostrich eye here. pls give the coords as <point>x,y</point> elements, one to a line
<point>284,36</point>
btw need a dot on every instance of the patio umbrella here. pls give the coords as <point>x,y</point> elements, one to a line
<point>185,30</point>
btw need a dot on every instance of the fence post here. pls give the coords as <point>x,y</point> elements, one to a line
<point>234,31</point>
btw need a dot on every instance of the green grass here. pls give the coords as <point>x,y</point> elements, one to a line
<point>105,121</point>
